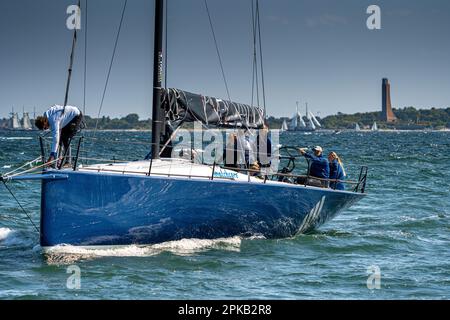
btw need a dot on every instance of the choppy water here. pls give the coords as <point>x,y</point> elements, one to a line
<point>402,228</point>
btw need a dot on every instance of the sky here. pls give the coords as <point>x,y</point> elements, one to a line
<point>315,51</point>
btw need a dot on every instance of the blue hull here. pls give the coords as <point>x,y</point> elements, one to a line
<point>91,209</point>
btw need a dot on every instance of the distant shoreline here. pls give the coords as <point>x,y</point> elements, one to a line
<point>317,131</point>
<point>115,130</point>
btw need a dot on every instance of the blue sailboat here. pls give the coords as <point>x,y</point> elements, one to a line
<point>163,199</point>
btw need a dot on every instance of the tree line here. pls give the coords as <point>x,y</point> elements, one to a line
<point>407,117</point>
<point>130,121</point>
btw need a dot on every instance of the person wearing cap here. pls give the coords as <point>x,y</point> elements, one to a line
<point>64,123</point>
<point>319,165</point>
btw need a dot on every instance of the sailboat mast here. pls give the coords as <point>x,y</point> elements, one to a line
<point>157,114</point>
<point>72,53</point>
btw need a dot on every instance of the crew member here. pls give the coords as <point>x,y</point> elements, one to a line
<point>264,147</point>
<point>319,166</point>
<point>337,171</point>
<point>64,123</point>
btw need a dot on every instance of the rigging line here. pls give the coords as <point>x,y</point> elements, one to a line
<point>253,66</point>
<point>261,58</point>
<point>165,45</point>
<point>31,170</point>
<point>29,163</point>
<point>217,49</point>
<point>85,57</point>
<point>169,140</point>
<point>255,57</point>
<point>111,64</point>
<point>26,213</point>
<point>85,65</point>
<point>72,54</point>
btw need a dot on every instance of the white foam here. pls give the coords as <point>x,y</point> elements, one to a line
<point>6,167</point>
<point>69,253</point>
<point>188,246</point>
<point>4,233</point>
<point>10,238</point>
<point>19,138</point>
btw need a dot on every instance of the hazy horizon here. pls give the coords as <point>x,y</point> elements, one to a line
<point>320,52</point>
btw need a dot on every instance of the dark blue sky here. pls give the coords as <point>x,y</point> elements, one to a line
<point>318,51</point>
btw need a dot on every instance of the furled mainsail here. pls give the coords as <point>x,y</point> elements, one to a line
<point>182,106</point>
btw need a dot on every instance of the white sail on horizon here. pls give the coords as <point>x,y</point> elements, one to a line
<point>374,127</point>
<point>314,119</point>
<point>293,123</point>
<point>298,122</point>
<point>26,123</point>
<point>14,121</point>
<point>311,124</point>
<point>302,122</point>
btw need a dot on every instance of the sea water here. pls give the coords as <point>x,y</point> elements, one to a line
<point>394,244</point>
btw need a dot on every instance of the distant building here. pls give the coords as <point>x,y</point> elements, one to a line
<point>387,114</point>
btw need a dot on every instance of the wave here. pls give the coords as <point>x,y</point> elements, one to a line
<point>331,233</point>
<point>4,233</point>
<point>16,138</point>
<point>428,222</point>
<point>63,254</point>
<point>13,238</point>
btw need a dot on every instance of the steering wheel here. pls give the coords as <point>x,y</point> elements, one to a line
<point>292,155</point>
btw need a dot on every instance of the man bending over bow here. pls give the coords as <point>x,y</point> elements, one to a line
<point>64,124</point>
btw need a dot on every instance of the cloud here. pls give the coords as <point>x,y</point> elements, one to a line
<point>326,19</point>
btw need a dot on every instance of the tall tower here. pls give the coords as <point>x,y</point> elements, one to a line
<point>386,113</point>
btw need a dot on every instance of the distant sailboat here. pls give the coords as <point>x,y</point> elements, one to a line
<point>357,128</point>
<point>26,123</point>
<point>293,124</point>
<point>374,127</point>
<point>314,120</point>
<point>14,123</point>
<point>284,126</point>
<point>298,123</point>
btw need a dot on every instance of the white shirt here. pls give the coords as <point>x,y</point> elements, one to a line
<point>246,145</point>
<point>57,120</point>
